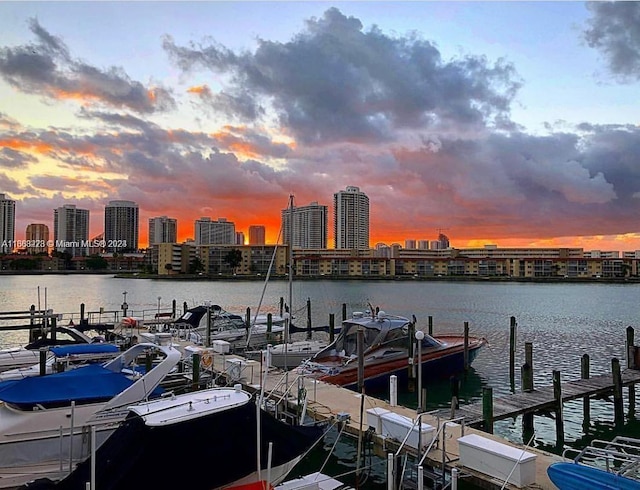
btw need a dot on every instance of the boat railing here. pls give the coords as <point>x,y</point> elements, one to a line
<point>620,456</point>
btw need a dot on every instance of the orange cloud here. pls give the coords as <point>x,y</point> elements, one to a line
<point>199,90</point>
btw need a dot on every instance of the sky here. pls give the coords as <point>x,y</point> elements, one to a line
<point>505,123</point>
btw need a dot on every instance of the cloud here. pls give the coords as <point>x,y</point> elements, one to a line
<point>10,158</point>
<point>614,30</point>
<point>335,82</point>
<point>46,68</point>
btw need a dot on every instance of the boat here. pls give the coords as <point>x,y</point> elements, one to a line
<point>38,415</point>
<point>601,465</point>
<point>386,351</point>
<point>17,357</point>
<point>225,326</point>
<point>64,357</point>
<point>214,433</point>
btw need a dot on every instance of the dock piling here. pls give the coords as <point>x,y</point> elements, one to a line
<point>332,327</point>
<point>618,402</point>
<point>487,409</point>
<point>584,374</point>
<point>512,353</point>
<point>557,394</point>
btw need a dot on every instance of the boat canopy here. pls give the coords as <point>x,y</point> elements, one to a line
<point>98,348</point>
<point>88,384</point>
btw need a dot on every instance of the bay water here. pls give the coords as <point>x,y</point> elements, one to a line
<point>562,321</point>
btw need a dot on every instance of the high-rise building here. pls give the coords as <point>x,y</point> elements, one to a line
<point>121,226</point>
<point>163,230</point>
<point>307,226</point>
<point>239,238</point>
<point>37,236</point>
<point>257,235</point>
<point>71,230</point>
<point>351,219</point>
<point>7,224</point>
<point>221,232</point>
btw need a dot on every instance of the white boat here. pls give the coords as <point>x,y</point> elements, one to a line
<point>17,357</point>
<point>39,414</point>
<point>213,432</point>
<point>202,322</point>
<point>64,357</point>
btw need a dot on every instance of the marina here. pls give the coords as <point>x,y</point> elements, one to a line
<point>491,364</point>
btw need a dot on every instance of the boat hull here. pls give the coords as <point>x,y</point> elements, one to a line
<point>573,476</point>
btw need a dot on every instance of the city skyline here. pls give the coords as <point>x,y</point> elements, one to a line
<point>512,123</point>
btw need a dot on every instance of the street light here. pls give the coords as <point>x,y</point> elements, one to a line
<point>419,337</point>
<point>124,306</point>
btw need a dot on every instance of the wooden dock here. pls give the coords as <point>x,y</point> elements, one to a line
<point>543,398</point>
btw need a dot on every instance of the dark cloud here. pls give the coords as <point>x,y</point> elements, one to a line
<point>614,30</point>
<point>336,82</point>
<point>10,158</point>
<point>46,68</point>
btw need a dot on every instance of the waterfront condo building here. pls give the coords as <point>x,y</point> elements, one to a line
<point>37,236</point>
<point>7,224</point>
<point>351,219</point>
<point>257,235</point>
<point>121,226</point>
<point>220,232</point>
<point>162,230</point>
<point>306,225</point>
<point>71,230</point>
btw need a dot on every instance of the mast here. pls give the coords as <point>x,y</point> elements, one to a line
<point>290,260</point>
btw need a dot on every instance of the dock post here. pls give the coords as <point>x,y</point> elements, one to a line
<point>32,323</point>
<point>344,311</point>
<point>466,346</point>
<point>247,319</point>
<point>631,361</point>
<point>281,305</point>
<point>557,394</point>
<point>586,405</point>
<point>332,327</point>
<point>618,402</point>
<point>487,409</point>
<point>430,325</point>
<point>184,307</point>
<point>527,368</point>
<point>43,361</point>
<point>420,478</point>
<point>411,368</point>
<point>174,308</point>
<point>512,352</point>
<point>54,335</point>
<point>393,390</point>
<point>390,473</point>
<point>81,312</point>
<point>308,318</point>
<point>269,326</point>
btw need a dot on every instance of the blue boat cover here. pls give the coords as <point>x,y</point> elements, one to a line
<point>99,348</point>
<point>85,384</point>
<point>573,476</point>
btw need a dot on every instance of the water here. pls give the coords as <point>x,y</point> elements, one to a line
<point>562,321</point>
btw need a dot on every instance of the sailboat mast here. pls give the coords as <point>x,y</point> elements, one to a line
<point>290,260</point>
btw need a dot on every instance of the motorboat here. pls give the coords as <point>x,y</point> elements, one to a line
<point>214,323</point>
<point>387,348</point>
<point>64,357</point>
<point>45,419</point>
<point>601,465</point>
<point>17,357</point>
<point>215,431</point>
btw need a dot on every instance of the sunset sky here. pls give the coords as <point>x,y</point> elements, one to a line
<point>507,123</point>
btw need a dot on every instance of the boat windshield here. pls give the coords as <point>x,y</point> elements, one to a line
<point>347,341</point>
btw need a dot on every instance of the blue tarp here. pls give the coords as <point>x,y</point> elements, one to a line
<point>85,384</point>
<point>66,350</point>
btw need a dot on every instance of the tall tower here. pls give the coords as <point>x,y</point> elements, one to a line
<point>37,236</point>
<point>307,226</point>
<point>163,230</point>
<point>221,232</point>
<point>121,226</point>
<point>351,219</point>
<point>71,230</point>
<point>7,224</point>
<point>257,235</point>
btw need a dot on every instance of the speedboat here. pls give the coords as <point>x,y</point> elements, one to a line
<point>64,357</point>
<point>229,327</point>
<point>17,357</point>
<point>45,419</point>
<point>386,348</point>
<point>215,430</point>
<point>601,465</point>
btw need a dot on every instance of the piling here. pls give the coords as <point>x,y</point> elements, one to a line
<point>308,318</point>
<point>196,371</point>
<point>430,325</point>
<point>630,348</point>
<point>512,352</point>
<point>269,326</point>
<point>184,307</point>
<point>344,311</point>
<point>174,308</point>
<point>584,374</point>
<point>557,394</point>
<point>618,403</point>
<point>281,305</point>
<point>247,319</point>
<point>43,362</point>
<point>527,386</point>
<point>411,368</point>
<point>487,409</point>
<point>466,346</point>
<point>332,327</point>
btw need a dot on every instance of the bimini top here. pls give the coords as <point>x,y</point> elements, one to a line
<point>88,384</point>
<point>74,349</point>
